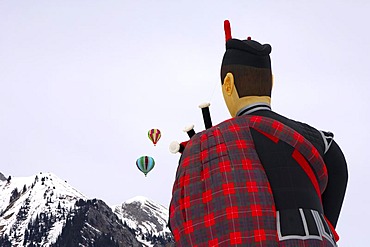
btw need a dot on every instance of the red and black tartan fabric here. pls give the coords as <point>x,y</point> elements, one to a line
<point>221,195</point>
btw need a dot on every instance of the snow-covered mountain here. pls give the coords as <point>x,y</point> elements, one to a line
<point>148,218</point>
<point>44,210</point>
<point>23,199</point>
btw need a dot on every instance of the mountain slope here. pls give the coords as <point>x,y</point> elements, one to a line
<point>148,218</point>
<point>93,223</point>
<point>27,199</point>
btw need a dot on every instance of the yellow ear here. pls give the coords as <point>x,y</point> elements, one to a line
<point>272,81</point>
<point>228,85</point>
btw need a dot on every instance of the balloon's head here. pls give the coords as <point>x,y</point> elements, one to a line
<point>245,70</point>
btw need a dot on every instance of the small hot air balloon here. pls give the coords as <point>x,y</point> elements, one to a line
<point>145,164</point>
<point>154,135</point>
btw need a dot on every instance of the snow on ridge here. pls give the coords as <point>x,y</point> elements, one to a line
<point>140,199</point>
<point>144,201</point>
<point>148,206</point>
<point>20,182</point>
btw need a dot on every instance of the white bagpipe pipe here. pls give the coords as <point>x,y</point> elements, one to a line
<point>176,147</point>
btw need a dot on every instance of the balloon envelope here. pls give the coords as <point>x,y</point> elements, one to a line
<point>154,135</point>
<point>145,164</point>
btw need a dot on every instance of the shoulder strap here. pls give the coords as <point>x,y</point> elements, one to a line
<point>305,151</point>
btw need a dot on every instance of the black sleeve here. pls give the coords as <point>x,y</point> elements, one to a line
<point>333,195</point>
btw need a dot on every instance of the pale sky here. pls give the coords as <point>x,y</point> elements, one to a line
<point>83,81</point>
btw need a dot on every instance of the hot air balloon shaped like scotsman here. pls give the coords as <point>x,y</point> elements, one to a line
<point>154,135</point>
<point>259,178</point>
<point>145,164</point>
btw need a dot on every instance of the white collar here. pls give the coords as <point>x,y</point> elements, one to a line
<point>252,108</point>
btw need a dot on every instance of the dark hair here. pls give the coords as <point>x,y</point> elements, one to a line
<point>249,81</point>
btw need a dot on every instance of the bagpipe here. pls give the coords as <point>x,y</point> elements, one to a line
<point>176,147</point>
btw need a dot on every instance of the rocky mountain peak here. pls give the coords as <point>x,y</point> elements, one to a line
<point>2,177</point>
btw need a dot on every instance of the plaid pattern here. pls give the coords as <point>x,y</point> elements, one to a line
<point>221,195</point>
<point>278,131</point>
